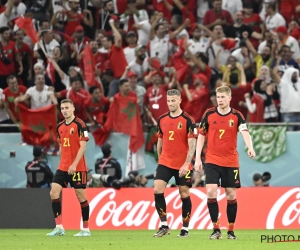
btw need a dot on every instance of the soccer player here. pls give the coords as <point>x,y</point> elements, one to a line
<point>175,147</point>
<point>220,126</point>
<point>72,136</point>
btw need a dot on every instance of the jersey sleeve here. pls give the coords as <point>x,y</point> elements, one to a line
<point>242,126</point>
<point>203,127</point>
<point>191,128</point>
<point>82,131</point>
<point>57,133</point>
<point>159,132</point>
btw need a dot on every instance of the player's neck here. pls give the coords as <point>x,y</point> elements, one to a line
<point>224,111</point>
<point>70,119</point>
<point>176,113</point>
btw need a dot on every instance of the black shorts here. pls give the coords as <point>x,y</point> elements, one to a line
<point>230,177</point>
<point>77,180</point>
<point>164,173</point>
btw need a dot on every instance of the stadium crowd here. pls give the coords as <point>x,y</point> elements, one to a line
<point>192,45</point>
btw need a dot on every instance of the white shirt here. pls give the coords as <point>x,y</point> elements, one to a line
<point>272,22</point>
<point>144,33</point>
<point>239,56</point>
<point>183,33</point>
<point>48,48</point>
<point>202,8</point>
<point>263,14</point>
<point>3,20</point>
<point>139,69</point>
<point>289,97</point>
<point>200,46</point>
<point>39,99</point>
<point>294,45</point>
<point>3,114</point>
<point>17,11</point>
<point>222,58</point>
<point>160,48</point>
<point>232,6</point>
<point>261,47</point>
<point>129,54</point>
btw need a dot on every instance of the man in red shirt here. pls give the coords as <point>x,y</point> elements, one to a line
<point>97,106</point>
<point>176,144</point>
<point>73,18</point>
<point>8,57</point>
<point>78,95</point>
<point>11,92</point>
<point>72,136</point>
<point>217,16</point>
<point>25,54</point>
<point>78,45</point>
<point>100,58</point>
<point>220,126</point>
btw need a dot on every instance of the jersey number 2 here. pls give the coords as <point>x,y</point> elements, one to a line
<point>171,136</point>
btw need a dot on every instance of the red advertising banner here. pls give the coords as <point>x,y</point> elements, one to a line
<point>134,208</point>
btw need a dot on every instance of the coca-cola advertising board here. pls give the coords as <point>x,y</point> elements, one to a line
<point>134,208</point>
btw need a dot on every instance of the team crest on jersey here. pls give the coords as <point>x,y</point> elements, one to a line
<point>231,123</point>
<point>71,131</point>
<point>179,125</point>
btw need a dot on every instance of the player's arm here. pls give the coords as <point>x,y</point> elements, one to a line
<point>191,152</point>
<point>159,147</point>
<point>246,136</point>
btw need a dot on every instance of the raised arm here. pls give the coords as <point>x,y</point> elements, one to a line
<point>117,35</point>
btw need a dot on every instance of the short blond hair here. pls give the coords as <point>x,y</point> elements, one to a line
<point>224,89</point>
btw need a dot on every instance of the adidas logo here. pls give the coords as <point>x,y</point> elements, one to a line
<point>214,122</point>
<point>189,180</point>
<point>237,182</point>
<point>78,183</point>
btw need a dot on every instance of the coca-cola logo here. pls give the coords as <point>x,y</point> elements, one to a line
<point>286,211</point>
<point>106,211</point>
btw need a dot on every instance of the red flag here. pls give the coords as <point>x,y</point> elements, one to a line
<point>27,25</point>
<point>50,71</point>
<point>123,117</point>
<point>38,126</point>
<point>89,65</point>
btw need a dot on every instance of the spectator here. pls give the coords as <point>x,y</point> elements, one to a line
<point>39,173</point>
<point>8,57</point>
<point>105,15</point>
<point>176,22</point>
<point>73,18</point>
<point>4,118</point>
<point>129,51</point>
<point>25,55</point>
<point>285,39</point>
<point>19,9</point>
<point>5,16</point>
<point>217,16</point>
<point>232,66</point>
<point>288,89</point>
<point>286,60</point>
<point>39,95</point>
<point>10,93</point>
<point>268,40</point>
<point>261,59</point>
<point>38,68</point>
<point>97,107</point>
<point>261,107</point>
<point>107,165</point>
<point>140,65</point>
<point>232,6</point>
<point>78,95</point>
<point>99,57</point>
<point>274,19</point>
<point>198,98</point>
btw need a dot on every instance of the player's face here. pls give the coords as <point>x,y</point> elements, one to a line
<point>173,102</point>
<point>223,100</point>
<point>67,109</point>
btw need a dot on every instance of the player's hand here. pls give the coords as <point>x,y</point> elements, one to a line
<point>198,166</point>
<point>72,169</point>
<point>251,153</point>
<point>183,170</point>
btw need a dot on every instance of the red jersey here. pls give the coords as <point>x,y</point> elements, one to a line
<point>117,60</point>
<point>10,98</point>
<point>69,137</point>
<point>211,16</point>
<point>221,133</point>
<point>238,94</point>
<point>25,52</point>
<point>72,22</point>
<point>99,110</point>
<point>175,132</point>
<point>100,59</point>
<point>80,100</point>
<point>157,100</point>
<point>9,51</point>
